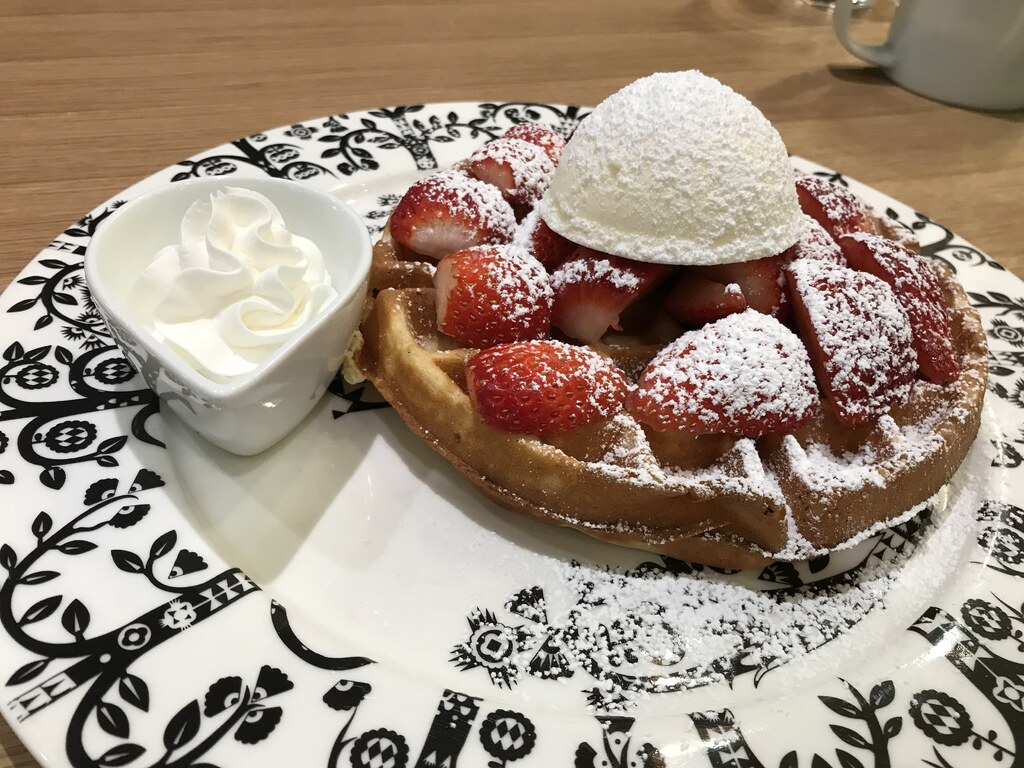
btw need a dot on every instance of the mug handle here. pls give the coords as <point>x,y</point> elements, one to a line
<point>879,55</point>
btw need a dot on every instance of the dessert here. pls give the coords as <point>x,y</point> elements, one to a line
<point>679,347</point>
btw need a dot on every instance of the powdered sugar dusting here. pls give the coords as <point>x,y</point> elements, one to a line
<point>633,462</point>
<point>529,165</point>
<point>844,211</point>
<point>634,451</point>
<point>919,291</point>
<point>863,333</point>
<point>524,283</point>
<point>534,277</point>
<point>814,464</point>
<point>594,270</point>
<point>676,168</point>
<point>491,294</point>
<point>746,373</point>
<point>690,630</point>
<point>819,468</point>
<point>665,626</point>
<point>904,235</point>
<point>546,138</point>
<point>523,236</point>
<point>544,386</point>
<point>606,384</point>
<point>816,243</point>
<point>909,270</point>
<point>471,200</point>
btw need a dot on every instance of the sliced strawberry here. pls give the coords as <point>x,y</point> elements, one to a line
<point>833,206</point>
<point>857,336</point>
<point>919,292</point>
<point>492,294</point>
<point>694,300</point>
<point>548,139</point>
<point>542,242</point>
<point>543,387</point>
<point>522,171</point>
<point>815,243</point>
<point>746,374</point>
<point>592,289</point>
<point>450,211</point>
<point>760,282</point>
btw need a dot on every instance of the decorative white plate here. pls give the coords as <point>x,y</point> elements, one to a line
<point>347,599</point>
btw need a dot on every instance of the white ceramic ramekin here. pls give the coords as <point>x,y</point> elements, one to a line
<point>249,414</point>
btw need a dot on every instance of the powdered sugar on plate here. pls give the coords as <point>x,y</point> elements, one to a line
<point>668,626</point>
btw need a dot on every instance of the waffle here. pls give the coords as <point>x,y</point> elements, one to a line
<point>724,501</point>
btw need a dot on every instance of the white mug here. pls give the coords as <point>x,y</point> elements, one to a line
<point>964,52</point>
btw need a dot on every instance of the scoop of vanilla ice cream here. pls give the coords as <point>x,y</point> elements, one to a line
<point>676,168</point>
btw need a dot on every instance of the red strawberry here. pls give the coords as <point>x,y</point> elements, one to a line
<point>693,300</point>
<point>815,243</point>
<point>543,387</point>
<point>592,289</point>
<point>918,291</point>
<point>746,374</point>
<point>833,206</point>
<point>548,139</point>
<point>492,295</point>
<point>857,335</point>
<point>546,245</point>
<point>760,282</point>
<point>522,171</point>
<point>449,211</point>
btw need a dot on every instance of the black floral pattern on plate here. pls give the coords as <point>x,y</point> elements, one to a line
<point>75,422</point>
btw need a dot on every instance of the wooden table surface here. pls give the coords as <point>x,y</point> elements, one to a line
<point>97,95</point>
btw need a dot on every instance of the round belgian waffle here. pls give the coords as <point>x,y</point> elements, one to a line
<point>725,501</point>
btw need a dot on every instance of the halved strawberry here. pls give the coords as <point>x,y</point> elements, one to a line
<point>815,243</point>
<point>543,387</point>
<point>449,211</point>
<point>694,300</point>
<point>919,292</point>
<point>760,282</point>
<point>548,139</point>
<point>857,336</point>
<point>592,289</point>
<point>746,374</point>
<point>833,206</point>
<point>542,242</point>
<point>492,294</point>
<point>522,171</point>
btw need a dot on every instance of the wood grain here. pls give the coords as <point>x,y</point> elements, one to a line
<point>97,95</point>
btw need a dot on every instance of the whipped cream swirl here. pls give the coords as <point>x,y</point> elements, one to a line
<point>237,287</point>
